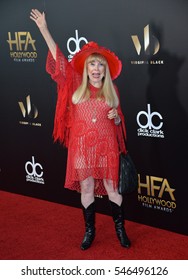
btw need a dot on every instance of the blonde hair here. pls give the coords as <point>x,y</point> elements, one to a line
<point>107,92</point>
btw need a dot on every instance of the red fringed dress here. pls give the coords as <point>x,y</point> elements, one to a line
<point>92,139</point>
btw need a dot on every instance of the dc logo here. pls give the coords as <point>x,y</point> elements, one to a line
<point>33,169</point>
<point>73,44</point>
<point>149,119</point>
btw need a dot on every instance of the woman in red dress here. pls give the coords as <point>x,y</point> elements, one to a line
<point>87,121</point>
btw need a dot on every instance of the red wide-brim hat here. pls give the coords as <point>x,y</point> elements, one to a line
<point>79,58</point>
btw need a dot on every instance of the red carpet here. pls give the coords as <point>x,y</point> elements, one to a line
<point>33,229</point>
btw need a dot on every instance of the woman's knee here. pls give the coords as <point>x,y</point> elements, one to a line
<point>108,184</point>
<point>112,192</point>
<point>87,186</point>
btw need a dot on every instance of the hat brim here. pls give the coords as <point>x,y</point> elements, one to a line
<point>79,58</point>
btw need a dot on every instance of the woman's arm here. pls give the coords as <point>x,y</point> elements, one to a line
<point>40,20</point>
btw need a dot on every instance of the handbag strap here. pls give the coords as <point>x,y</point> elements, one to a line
<point>123,134</point>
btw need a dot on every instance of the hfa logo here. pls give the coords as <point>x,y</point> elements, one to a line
<point>151,44</point>
<point>22,46</point>
<point>34,172</point>
<point>155,192</point>
<point>73,44</point>
<point>21,41</point>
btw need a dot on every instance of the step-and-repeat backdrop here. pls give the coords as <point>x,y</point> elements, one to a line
<point>150,37</point>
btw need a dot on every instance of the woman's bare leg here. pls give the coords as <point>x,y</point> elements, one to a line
<point>113,194</point>
<point>87,191</point>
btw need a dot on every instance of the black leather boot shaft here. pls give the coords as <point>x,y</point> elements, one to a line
<point>118,218</point>
<point>89,218</point>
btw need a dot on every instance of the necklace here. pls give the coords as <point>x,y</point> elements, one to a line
<point>93,110</point>
<point>93,105</point>
<point>94,119</point>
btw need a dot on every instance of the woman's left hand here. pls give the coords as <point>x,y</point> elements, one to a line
<point>112,114</point>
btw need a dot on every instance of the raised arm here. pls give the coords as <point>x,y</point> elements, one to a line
<point>40,20</point>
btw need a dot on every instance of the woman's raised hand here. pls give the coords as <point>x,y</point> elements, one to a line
<point>38,18</point>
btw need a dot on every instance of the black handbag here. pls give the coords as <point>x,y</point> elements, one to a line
<point>128,176</point>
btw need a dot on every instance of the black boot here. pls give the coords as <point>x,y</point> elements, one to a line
<point>89,218</point>
<point>117,215</point>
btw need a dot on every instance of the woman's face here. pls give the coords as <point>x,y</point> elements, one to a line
<point>96,71</point>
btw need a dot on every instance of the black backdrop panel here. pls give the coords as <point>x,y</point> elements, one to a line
<point>150,38</point>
